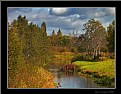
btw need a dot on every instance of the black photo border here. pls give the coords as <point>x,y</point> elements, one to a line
<point>6,4</point>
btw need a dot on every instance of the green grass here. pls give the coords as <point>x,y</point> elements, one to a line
<point>103,70</point>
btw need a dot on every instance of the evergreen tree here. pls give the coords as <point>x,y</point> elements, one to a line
<point>53,34</point>
<point>111,37</point>
<point>43,27</point>
<point>59,33</point>
<point>53,38</point>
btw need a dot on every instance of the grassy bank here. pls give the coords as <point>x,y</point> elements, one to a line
<point>31,77</point>
<point>102,72</point>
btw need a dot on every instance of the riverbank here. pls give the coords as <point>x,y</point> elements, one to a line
<point>32,77</point>
<point>103,72</point>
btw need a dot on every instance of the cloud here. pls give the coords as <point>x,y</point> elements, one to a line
<point>61,22</point>
<point>84,13</point>
<point>67,19</point>
<point>99,14</point>
<point>58,11</point>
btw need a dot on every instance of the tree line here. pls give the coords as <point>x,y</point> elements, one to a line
<point>29,42</point>
<point>96,38</point>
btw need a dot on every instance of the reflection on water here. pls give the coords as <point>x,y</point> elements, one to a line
<point>72,80</point>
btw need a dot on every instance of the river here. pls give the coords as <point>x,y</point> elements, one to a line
<point>72,80</point>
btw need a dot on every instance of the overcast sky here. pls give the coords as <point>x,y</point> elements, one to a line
<point>67,19</point>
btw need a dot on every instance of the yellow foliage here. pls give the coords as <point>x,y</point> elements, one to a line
<point>37,78</point>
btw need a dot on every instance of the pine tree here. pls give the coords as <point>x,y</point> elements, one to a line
<point>53,38</point>
<point>43,27</point>
<point>59,33</point>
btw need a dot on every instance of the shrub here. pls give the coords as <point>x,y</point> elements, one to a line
<point>73,49</point>
<point>105,81</point>
<point>89,58</point>
<point>112,56</point>
<point>82,57</point>
<point>78,58</point>
<point>103,58</point>
<point>85,57</point>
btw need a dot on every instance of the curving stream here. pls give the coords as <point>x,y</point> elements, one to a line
<point>72,80</point>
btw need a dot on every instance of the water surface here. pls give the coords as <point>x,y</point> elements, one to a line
<point>72,80</point>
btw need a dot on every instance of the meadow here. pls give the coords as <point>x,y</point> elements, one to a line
<point>103,72</point>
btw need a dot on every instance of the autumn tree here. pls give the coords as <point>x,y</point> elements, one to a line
<point>28,51</point>
<point>95,36</point>
<point>30,42</point>
<point>82,45</point>
<point>35,41</point>
<point>22,25</point>
<point>44,46</point>
<point>66,41</point>
<point>15,54</point>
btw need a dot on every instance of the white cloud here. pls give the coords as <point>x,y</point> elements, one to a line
<point>59,10</point>
<point>99,14</point>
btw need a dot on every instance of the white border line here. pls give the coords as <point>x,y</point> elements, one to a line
<point>62,88</point>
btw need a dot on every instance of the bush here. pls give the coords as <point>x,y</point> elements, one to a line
<point>73,49</point>
<point>105,81</point>
<point>82,57</point>
<point>77,58</point>
<point>89,58</point>
<point>85,57</point>
<point>112,56</point>
<point>32,77</point>
<point>103,58</point>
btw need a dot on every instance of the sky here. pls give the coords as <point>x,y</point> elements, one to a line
<point>67,19</point>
